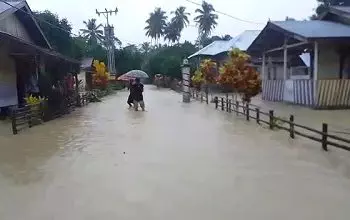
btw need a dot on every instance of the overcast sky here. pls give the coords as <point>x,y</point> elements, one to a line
<point>129,23</point>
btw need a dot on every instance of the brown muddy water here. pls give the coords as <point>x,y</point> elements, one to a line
<point>175,161</point>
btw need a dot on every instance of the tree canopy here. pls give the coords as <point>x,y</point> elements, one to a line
<point>206,19</point>
<point>323,5</point>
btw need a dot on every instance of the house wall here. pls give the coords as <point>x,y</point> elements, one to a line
<point>13,26</point>
<point>8,80</point>
<point>328,62</point>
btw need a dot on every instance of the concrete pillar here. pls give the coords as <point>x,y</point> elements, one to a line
<point>186,94</point>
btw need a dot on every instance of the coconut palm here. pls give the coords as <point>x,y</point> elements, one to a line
<point>171,32</point>
<point>206,20</point>
<point>145,47</point>
<point>156,24</point>
<point>93,33</point>
<point>181,18</point>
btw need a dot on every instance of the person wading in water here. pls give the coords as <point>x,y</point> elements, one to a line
<point>130,98</point>
<point>136,91</point>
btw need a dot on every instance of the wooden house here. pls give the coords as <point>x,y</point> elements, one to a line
<point>322,80</point>
<point>26,55</point>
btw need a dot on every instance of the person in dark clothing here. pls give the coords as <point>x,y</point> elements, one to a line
<point>130,98</point>
<point>137,91</point>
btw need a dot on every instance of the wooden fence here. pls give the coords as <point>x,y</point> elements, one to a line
<point>26,116</point>
<point>31,115</point>
<point>269,118</point>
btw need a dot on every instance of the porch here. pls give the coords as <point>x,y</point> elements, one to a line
<point>314,71</point>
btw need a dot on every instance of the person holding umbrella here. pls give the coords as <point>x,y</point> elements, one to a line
<point>137,94</point>
<point>130,98</point>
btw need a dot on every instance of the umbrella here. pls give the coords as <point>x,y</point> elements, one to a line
<point>134,74</point>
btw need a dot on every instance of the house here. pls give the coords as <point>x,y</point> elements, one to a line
<point>322,79</point>
<point>26,55</point>
<point>217,50</point>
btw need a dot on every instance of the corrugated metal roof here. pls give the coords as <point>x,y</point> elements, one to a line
<point>241,42</point>
<point>4,7</point>
<point>244,40</point>
<point>212,49</point>
<point>345,9</point>
<point>315,28</point>
<point>86,62</point>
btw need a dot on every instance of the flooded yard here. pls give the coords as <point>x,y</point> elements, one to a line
<point>175,161</point>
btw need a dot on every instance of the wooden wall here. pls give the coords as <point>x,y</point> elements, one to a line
<point>320,94</point>
<point>334,93</point>
<point>272,90</point>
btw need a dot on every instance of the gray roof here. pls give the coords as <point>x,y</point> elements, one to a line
<point>345,9</point>
<point>241,42</point>
<point>4,7</point>
<point>315,28</point>
<point>86,63</point>
<point>212,49</point>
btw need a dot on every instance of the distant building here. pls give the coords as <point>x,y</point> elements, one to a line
<point>218,50</point>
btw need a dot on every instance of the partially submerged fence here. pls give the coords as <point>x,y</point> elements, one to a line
<point>31,115</point>
<point>26,116</point>
<point>269,118</point>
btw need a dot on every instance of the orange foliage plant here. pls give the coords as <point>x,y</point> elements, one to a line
<point>239,75</point>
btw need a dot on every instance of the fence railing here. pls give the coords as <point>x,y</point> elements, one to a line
<point>269,118</point>
<point>26,117</point>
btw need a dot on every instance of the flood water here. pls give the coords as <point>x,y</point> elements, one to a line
<point>175,161</point>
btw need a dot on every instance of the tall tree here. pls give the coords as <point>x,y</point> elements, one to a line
<point>93,33</point>
<point>145,47</point>
<point>323,5</point>
<point>156,24</point>
<point>206,19</point>
<point>171,32</point>
<point>180,20</point>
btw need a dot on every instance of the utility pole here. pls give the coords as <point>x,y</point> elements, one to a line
<point>109,38</point>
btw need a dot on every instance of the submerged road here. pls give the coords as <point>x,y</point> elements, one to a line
<point>174,162</point>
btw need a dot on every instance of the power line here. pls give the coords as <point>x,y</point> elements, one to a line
<point>46,22</point>
<point>228,15</point>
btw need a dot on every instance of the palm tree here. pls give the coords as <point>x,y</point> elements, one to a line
<point>206,20</point>
<point>145,47</point>
<point>180,19</point>
<point>156,24</point>
<point>92,33</point>
<point>171,32</point>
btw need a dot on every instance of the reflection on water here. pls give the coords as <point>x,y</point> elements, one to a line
<point>173,161</point>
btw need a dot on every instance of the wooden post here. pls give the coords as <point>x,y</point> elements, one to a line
<point>285,56</point>
<point>14,126</point>
<point>263,67</point>
<point>216,101</point>
<point>257,115</point>
<point>30,116</point>
<point>315,72</point>
<point>324,136</point>
<point>222,104</point>
<point>207,97</point>
<point>229,105</point>
<point>271,123</point>
<point>291,126</point>
<point>237,108</point>
<point>227,102</point>
<point>247,111</point>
